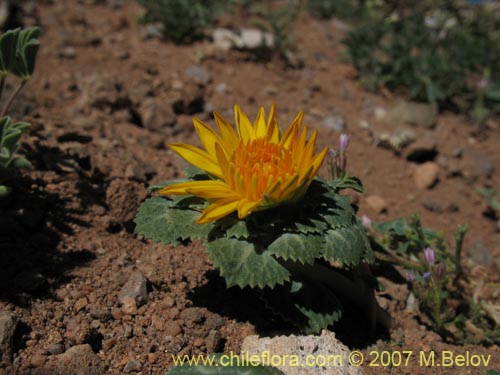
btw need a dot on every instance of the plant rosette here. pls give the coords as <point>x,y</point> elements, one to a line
<point>267,221</point>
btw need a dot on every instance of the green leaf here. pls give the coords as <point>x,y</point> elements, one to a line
<point>492,372</point>
<point>27,49</point>
<point>297,247</point>
<point>339,212</point>
<point>10,140</point>
<point>306,303</point>
<point>224,370</point>
<point>8,47</point>
<point>194,173</point>
<point>347,182</point>
<point>398,227</point>
<point>21,163</point>
<point>346,245</point>
<point>163,220</point>
<point>240,264</point>
<point>4,191</point>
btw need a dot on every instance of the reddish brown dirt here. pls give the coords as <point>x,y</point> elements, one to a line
<point>94,160</point>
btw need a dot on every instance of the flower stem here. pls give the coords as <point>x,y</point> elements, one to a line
<point>12,97</point>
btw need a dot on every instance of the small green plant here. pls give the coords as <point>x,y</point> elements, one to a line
<point>434,272</point>
<point>183,21</point>
<point>279,22</point>
<point>267,222</point>
<point>18,50</point>
<point>434,52</point>
<point>326,9</point>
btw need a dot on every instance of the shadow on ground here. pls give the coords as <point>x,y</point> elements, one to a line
<point>245,305</point>
<point>32,223</point>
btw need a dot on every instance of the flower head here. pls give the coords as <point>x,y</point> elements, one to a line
<point>344,142</point>
<point>430,256</point>
<point>252,168</point>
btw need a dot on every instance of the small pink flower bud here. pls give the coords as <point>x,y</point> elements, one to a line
<point>430,256</point>
<point>410,276</point>
<point>344,142</point>
<point>366,221</point>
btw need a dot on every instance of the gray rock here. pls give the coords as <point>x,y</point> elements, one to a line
<point>335,121</point>
<point>244,39</point>
<point>481,254</point>
<point>476,165</point>
<point>156,115</point>
<point>135,288</point>
<point>418,114</point>
<point>55,349</point>
<point>153,30</point>
<point>255,38</point>
<point>78,360</point>
<point>322,347</point>
<point>8,324</point>
<point>134,365</point>
<point>198,74</point>
<point>396,140</point>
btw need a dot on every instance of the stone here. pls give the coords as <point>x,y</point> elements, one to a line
<point>129,306</point>
<point>335,122</point>
<point>322,347</point>
<point>81,304</point>
<point>8,324</point>
<point>255,38</point>
<point>412,113</point>
<point>78,360</point>
<point>214,342</point>
<point>156,115</point>
<point>78,332</point>
<point>55,348</point>
<point>102,91</point>
<point>172,328</point>
<point>426,175</point>
<point>376,203</point>
<point>135,288</point>
<point>198,75</point>
<point>476,165</point>
<point>134,365</point>
<point>396,140</point>
<point>244,39</point>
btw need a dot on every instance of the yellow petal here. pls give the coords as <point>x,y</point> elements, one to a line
<point>207,136</point>
<point>207,189</point>
<point>245,208</point>
<point>217,210</point>
<point>198,158</point>
<point>260,124</point>
<point>318,160</point>
<point>273,131</point>
<point>224,165</point>
<point>227,133</point>
<point>245,128</point>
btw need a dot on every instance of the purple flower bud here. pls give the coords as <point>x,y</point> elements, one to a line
<point>427,275</point>
<point>333,154</point>
<point>366,221</point>
<point>410,276</point>
<point>429,255</point>
<point>344,142</point>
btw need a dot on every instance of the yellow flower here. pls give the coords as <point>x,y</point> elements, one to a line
<point>253,167</point>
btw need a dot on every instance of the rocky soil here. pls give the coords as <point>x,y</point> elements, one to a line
<point>81,294</point>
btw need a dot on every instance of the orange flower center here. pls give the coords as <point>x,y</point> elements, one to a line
<point>258,164</point>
